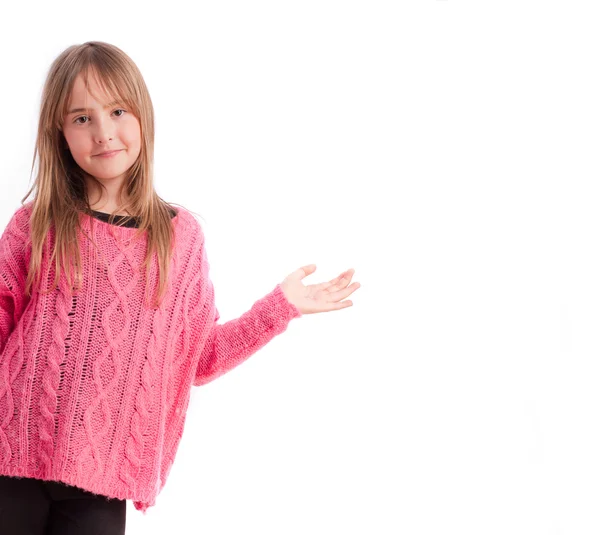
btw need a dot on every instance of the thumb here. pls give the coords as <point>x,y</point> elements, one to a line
<point>304,271</point>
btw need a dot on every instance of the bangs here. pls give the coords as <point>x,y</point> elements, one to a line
<point>113,83</point>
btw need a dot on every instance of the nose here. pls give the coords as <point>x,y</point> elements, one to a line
<point>104,131</point>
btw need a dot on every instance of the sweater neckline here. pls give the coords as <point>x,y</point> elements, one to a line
<point>102,218</point>
<point>106,213</point>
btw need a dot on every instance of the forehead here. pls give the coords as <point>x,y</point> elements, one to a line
<point>85,97</point>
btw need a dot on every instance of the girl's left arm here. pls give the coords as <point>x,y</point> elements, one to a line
<point>231,343</point>
<point>225,346</point>
<point>222,347</point>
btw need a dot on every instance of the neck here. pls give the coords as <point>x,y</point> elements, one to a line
<point>105,200</point>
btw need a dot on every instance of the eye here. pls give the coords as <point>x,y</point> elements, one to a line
<point>85,116</point>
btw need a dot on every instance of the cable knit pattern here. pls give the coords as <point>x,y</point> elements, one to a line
<point>95,384</point>
<point>51,377</point>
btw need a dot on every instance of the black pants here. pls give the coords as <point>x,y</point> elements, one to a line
<point>34,507</point>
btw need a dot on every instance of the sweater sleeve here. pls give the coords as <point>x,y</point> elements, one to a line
<point>14,259</point>
<point>229,344</point>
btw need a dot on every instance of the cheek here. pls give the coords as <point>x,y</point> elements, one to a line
<point>75,140</point>
<point>132,136</point>
<point>76,148</point>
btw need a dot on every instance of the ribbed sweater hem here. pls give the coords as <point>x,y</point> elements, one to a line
<point>141,502</point>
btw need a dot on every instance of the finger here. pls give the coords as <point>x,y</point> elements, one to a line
<point>328,307</point>
<point>303,272</point>
<point>337,283</point>
<point>345,292</point>
<point>327,285</point>
<point>346,279</point>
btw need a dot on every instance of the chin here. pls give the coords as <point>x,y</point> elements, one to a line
<point>106,176</point>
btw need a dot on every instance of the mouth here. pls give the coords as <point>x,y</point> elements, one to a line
<point>108,154</point>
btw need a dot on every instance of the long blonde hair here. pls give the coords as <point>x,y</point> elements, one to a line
<point>61,190</point>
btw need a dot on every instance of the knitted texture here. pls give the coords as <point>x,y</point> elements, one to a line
<point>95,384</point>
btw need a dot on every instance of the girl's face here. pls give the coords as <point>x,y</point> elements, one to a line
<point>92,127</point>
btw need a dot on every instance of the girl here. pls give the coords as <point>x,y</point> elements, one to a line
<point>97,356</point>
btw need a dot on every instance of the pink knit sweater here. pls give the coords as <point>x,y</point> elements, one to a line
<point>94,387</point>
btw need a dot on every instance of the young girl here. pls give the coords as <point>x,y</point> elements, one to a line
<point>97,356</point>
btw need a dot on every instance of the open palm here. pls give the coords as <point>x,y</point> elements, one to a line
<point>322,297</point>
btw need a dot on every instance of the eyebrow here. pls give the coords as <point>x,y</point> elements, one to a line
<point>76,110</point>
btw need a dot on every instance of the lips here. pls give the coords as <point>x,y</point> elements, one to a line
<point>108,154</point>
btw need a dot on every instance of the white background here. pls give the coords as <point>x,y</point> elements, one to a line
<point>448,151</point>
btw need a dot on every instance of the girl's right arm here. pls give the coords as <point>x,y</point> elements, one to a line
<point>14,260</point>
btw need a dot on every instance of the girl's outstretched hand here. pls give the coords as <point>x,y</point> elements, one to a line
<point>322,297</point>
